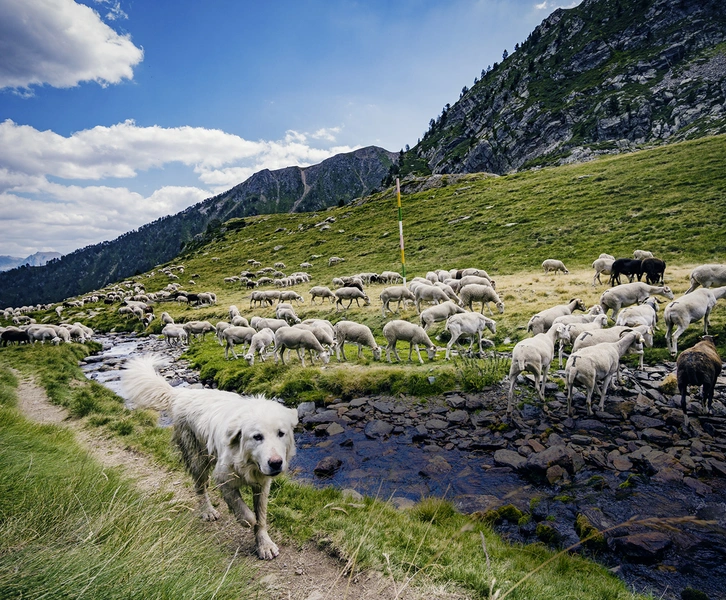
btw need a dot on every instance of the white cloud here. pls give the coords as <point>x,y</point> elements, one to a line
<point>57,192</point>
<point>61,43</point>
<point>114,9</point>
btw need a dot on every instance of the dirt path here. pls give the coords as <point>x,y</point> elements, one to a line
<point>297,574</point>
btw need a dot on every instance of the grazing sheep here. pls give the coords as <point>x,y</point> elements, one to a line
<point>642,254</point>
<point>448,290</point>
<point>390,277</point>
<point>299,339</point>
<point>290,296</point>
<point>320,291</point>
<point>233,312</point>
<point>589,317</point>
<point>350,294</point>
<point>629,294</point>
<point>654,270</point>
<point>429,293</point>
<point>602,265</point>
<point>40,333</point>
<point>642,314</point>
<point>260,342</point>
<point>478,279</point>
<point>240,321</point>
<point>14,335</point>
<point>285,311</point>
<point>467,324</point>
<point>261,322</point>
<point>687,309</point>
<point>439,312</point>
<point>166,318</point>
<point>612,334</point>
<point>206,298</point>
<point>543,320</point>
<point>174,334</point>
<point>699,365</point>
<point>236,335</point>
<point>221,326</point>
<point>474,292</point>
<point>197,328</point>
<point>323,334</point>
<point>355,333</point>
<point>707,276</point>
<point>408,332</point>
<point>625,266</point>
<point>598,363</point>
<point>535,355</point>
<point>396,293</point>
<point>575,329</point>
<point>334,260</point>
<point>554,265</point>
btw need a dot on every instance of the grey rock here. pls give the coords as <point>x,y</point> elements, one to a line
<point>376,429</point>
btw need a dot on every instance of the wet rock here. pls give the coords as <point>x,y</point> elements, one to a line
<point>304,409</point>
<point>457,417</point>
<point>328,466</point>
<point>420,433</point>
<point>436,424</point>
<point>697,486</point>
<point>647,547</point>
<point>509,458</point>
<point>325,416</point>
<point>435,466</point>
<point>335,429</point>
<point>554,455</point>
<point>375,429</point>
<point>643,422</point>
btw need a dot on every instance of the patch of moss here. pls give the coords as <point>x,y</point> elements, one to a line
<point>589,535</point>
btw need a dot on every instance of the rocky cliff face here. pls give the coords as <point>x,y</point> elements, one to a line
<point>606,76</point>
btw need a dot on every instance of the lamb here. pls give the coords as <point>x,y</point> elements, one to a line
<point>320,291</point>
<point>355,333</point>
<point>408,332</point>
<point>535,355</point>
<point>543,320</point>
<point>236,335</point>
<point>689,308</point>
<point>642,314</point>
<point>396,293</point>
<point>602,265</point>
<point>707,275</point>
<point>474,292</point>
<point>629,294</point>
<point>554,265</point>
<point>598,363</point>
<point>174,334</point>
<point>259,343</point>
<point>298,339</point>
<point>350,294</point>
<point>613,334</point>
<point>575,329</point>
<point>429,293</point>
<point>699,365</point>
<point>439,312</point>
<point>468,324</point>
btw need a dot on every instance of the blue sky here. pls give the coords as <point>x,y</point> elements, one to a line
<point>116,112</point>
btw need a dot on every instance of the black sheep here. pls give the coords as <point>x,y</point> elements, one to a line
<point>699,365</point>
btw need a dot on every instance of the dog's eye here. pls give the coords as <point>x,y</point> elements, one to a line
<point>258,437</point>
<point>280,434</point>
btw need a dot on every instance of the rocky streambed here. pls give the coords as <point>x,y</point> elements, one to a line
<point>658,493</point>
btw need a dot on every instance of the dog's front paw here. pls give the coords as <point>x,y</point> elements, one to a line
<point>209,514</point>
<point>266,548</point>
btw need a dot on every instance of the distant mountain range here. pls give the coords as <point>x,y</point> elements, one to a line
<point>604,77</point>
<point>34,260</point>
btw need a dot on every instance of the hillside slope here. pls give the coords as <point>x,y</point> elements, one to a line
<point>603,77</point>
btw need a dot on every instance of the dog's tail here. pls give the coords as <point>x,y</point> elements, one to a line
<point>143,387</point>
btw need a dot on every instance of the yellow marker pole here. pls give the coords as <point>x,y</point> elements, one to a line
<point>400,228</point>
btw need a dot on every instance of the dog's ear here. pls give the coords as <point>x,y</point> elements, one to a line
<point>234,437</point>
<point>293,417</point>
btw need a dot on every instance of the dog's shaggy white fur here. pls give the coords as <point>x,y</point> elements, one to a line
<point>240,440</point>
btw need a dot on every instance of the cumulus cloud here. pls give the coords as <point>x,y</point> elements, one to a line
<point>61,43</point>
<point>62,190</point>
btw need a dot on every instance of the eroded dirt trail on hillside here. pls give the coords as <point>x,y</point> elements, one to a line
<point>297,574</point>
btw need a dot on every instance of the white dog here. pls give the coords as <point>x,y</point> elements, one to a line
<point>241,440</point>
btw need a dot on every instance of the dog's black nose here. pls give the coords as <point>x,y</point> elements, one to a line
<point>275,465</point>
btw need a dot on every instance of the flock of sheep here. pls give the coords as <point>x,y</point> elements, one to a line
<point>442,296</point>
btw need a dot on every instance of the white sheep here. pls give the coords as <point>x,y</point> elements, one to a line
<point>233,312</point>
<point>390,277</point>
<point>220,327</point>
<point>642,254</point>
<point>448,290</point>
<point>396,293</point>
<point>589,317</point>
<point>291,296</point>
<point>262,322</point>
<point>408,332</point>
<point>642,314</point>
<point>707,276</point>
<point>355,333</point>
<point>197,328</point>
<point>598,363</point>
<point>554,265</point>
<point>535,355</point>
<point>612,334</point>
<point>475,292</point>
<point>240,321</point>
<point>299,339</point>
<point>287,312</point>
<point>174,334</point>
<point>478,279</point>
<point>236,335</point>
<point>324,335</point>
<point>259,344</point>
<point>603,266</point>
<point>687,309</point>
<point>321,291</point>
<point>543,320</point>
<point>469,324</point>
<point>628,294</point>
<point>166,318</point>
<point>334,260</point>
<point>429,293</point>
<point>575,329</point>
<point>439,312</point>
<point>350,294</point>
